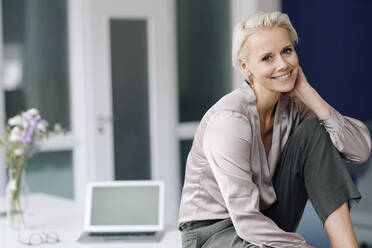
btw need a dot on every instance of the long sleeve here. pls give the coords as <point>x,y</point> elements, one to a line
<point>227,145</point>
<point>350,136</point>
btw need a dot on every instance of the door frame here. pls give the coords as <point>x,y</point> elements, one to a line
<point>162,97</point>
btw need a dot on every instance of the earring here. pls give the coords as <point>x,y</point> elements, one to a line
<point>249,78</point>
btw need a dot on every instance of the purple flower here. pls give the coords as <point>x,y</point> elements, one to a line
<point>25,132</point>
<point>26,138</point>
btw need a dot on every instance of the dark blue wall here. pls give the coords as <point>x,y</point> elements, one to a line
<point>335,51</point>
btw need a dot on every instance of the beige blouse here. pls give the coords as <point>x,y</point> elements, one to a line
<point>229,175</point>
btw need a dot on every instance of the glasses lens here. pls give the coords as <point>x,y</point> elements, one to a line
<point>52,237</point>
<point>36,239</point>
<point>31,239</point>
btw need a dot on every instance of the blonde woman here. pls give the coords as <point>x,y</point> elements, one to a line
<point>266,148</point>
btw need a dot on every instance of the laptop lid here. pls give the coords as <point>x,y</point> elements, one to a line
<point>124,206</point>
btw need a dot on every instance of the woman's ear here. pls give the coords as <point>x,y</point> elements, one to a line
<point>245,70</point>
<point>244,66</point>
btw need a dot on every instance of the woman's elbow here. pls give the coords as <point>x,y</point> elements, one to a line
<point>367,152</point>
<point>361,156</point>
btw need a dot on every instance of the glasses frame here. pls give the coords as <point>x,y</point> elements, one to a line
<point>49,237</point>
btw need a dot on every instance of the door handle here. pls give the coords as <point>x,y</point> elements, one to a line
<point>102,121</point>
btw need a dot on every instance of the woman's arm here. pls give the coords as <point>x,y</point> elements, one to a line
<point>350,136</point>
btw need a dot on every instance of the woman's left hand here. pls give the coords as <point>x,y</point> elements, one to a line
<point>300,84</point>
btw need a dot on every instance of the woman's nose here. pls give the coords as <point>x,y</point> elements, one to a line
<point>282,64</point>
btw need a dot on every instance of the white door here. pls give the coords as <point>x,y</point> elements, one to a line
<point>132,87</point>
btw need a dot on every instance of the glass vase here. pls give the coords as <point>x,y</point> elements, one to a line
<point>17,199</point>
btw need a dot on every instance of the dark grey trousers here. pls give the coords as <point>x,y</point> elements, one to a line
<point>310,168</point>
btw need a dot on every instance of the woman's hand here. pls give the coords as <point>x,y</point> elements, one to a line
<point>300,84</point>
<point>309,96</point>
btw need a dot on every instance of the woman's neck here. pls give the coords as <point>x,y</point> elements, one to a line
<point>266,101</point>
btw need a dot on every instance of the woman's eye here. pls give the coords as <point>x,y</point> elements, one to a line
<point>288,50</point>
<point>266,58</point>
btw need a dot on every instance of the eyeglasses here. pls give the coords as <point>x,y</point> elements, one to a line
<point>39,238</point>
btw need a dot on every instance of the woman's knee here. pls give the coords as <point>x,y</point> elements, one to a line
<point>310,130</point>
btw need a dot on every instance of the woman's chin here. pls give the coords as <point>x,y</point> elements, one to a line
<point>287,87</point>
<point>290,88</point>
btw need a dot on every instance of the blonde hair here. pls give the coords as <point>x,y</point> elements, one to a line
<point>254,23</point>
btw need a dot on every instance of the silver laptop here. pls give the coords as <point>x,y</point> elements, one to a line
<point>122,211</point>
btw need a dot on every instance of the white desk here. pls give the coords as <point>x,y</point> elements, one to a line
<point>65,216</point>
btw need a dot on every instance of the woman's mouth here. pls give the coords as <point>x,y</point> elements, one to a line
<point>284,77</point>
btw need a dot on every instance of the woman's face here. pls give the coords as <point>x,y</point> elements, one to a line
<point>272,62</point>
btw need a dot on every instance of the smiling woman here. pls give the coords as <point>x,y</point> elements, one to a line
<point>266,148</point>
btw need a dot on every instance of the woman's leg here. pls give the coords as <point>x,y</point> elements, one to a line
<point>311,167</point>
<point>337,224</point>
